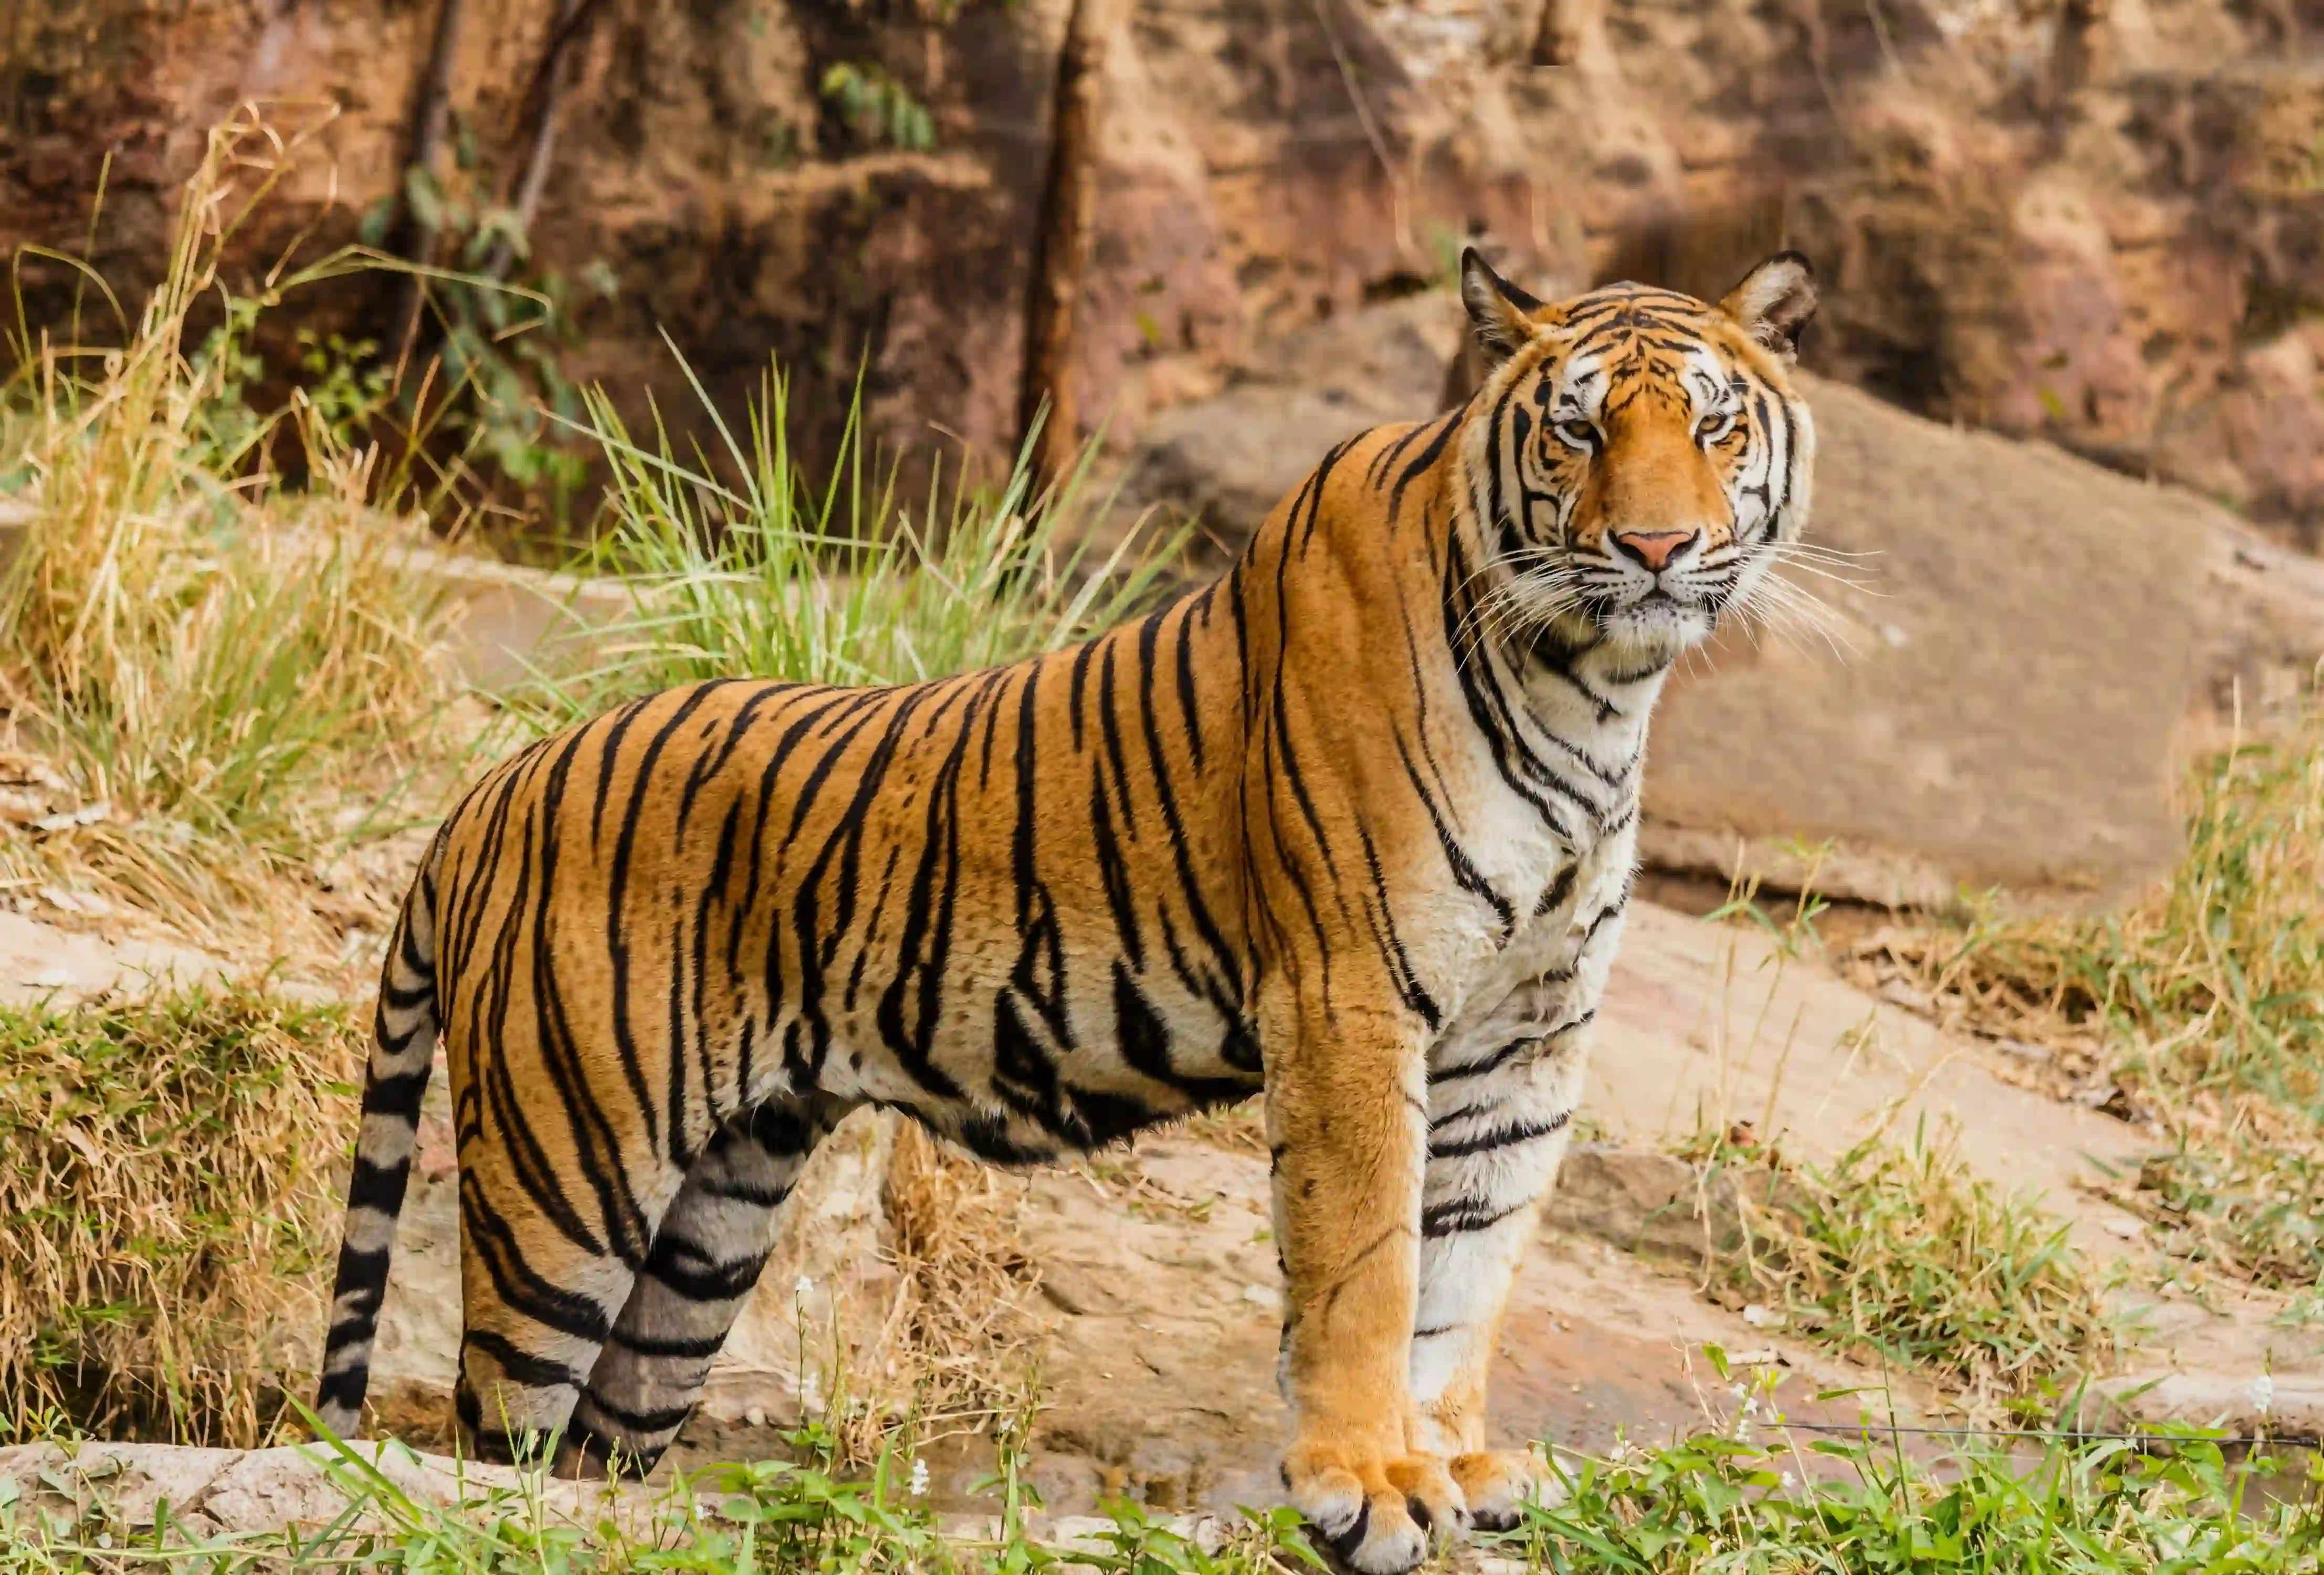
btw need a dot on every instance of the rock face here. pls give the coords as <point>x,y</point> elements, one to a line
<point>2098,222</point>
<point>2009,689</point>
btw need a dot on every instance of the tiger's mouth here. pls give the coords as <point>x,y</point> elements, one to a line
<point>1660,618</point>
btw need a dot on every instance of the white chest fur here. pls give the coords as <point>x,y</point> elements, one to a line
<point>1552,961</point>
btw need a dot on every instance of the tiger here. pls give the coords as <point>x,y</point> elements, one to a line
<point>1351,827</point>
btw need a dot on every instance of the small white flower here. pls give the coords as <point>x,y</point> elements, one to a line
<point>1788,1482</point>
<point>810,1392</point>
<point>802,1287</point>
<point>1737,1390</point>
<point>2262,1394</point>
<point>919,1485</point>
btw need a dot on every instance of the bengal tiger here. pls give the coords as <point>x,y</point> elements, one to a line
<point>1353,825</point>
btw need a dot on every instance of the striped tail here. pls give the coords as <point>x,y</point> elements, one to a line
<point>403,1045</point>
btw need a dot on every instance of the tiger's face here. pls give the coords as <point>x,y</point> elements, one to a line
<point>1637,459</point>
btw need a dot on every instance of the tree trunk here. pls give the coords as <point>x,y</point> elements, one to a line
<point>542,101</point>
<point>1061,244</point>
<point>413,238</point>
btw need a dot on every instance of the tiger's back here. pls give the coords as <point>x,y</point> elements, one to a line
<point>767,891</point>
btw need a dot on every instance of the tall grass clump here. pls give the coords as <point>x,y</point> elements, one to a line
<point>206,672</point>
<point>744,564</point>
<point>2204,1001</point>
<point>164,1181</point>
<point>1906,1254</point>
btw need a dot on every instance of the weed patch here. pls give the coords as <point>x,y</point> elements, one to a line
<point>1712,1503</point>
<point>211,678</point>
<point>1904,1254</point>
<point>165,1170</point>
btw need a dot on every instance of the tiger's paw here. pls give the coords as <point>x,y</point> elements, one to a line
<point>1376,1512</point>
<point>1498,1484</point>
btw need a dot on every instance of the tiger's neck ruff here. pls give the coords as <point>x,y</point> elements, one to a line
<point>1355,823</point>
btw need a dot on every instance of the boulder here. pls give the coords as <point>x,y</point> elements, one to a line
<point>2016,661</point>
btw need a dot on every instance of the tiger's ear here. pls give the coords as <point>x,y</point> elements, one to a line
<point>1774,302</point>
<point>1500,313</point>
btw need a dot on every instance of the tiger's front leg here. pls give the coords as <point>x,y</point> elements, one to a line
<point>1347,1127</point>
<point>1501,1102</point>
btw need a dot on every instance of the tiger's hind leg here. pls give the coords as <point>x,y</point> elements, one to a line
<point>535,1315</point>
<point>703,1262</point>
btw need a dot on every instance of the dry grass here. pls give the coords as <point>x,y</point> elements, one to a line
<point>212,674</point>
<point>2199,1009</point>
<point>164,1171</point>
<point>1904,1255</point>
<point>953,1348</point>
<point>1239,1129</point>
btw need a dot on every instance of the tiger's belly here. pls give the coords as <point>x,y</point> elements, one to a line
<point>1018,1074</point>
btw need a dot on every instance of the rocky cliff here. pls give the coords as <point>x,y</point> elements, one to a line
<point>2094,220</point>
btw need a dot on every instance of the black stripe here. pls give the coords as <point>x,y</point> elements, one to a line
<point>676,1348</point>
<point>1463,1215</point>
<point>519,1365</point>
<point>670,1419</point>
<point>1501,1137</point>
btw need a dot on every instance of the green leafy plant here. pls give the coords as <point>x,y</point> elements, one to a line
<point>504,392</point>
<point>877,107</point>
<point>1906,1253</point>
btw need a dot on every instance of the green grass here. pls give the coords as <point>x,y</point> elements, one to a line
<point>164,1171</point>
<point>1704,1505</point>
<point>1904,1254</point>
<point>1713,1505</point>
<point>772,1516</point>
<point>751,565</point>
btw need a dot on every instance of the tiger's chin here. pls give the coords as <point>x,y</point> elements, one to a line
<point>1655,628</point>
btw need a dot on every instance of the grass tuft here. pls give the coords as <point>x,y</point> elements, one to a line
<point>751,567</point>
<point>1712,1503</point>
<point>164,1185</point>
<point>954,1349</point>
<point>1906,1254</point>
<point>205,673</point>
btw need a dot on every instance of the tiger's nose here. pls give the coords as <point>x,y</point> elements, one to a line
<point>1655,548</point>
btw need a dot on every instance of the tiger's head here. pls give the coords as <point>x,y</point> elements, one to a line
<point>1637,459</point>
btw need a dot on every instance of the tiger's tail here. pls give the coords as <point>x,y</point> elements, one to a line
<point>404,1046</point>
